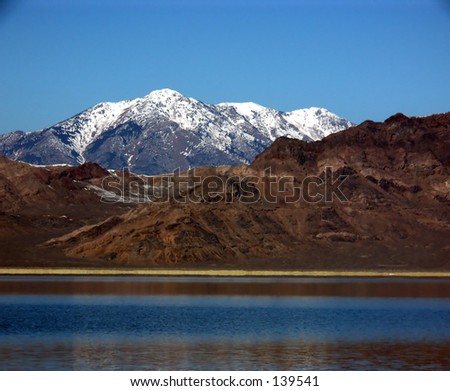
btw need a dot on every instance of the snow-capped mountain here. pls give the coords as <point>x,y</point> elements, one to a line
<point>164,131</point>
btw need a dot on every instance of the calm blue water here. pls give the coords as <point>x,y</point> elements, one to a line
<point>220,332</point>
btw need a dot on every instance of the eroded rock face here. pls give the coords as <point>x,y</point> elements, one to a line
<point>385,205</point>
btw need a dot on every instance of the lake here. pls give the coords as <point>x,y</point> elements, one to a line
<point>209,323</point>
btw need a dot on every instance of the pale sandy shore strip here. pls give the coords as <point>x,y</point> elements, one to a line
<point>216,273</point>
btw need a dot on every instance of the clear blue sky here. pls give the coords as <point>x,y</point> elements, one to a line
<point>361,59</point>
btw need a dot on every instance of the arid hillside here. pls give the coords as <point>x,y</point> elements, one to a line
<point>375,196</point>
<point>39,203</point>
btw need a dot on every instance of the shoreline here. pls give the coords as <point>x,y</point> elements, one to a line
<point>41,271</point>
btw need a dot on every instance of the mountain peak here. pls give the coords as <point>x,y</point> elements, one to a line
<point>163,93</point>
<point>398,117</point>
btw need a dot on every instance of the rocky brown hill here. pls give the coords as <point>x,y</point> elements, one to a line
<point>39,203</point>
<point>375,196</point>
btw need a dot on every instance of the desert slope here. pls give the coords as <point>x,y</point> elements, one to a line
<point>380,200</point>
<point>39,203</point>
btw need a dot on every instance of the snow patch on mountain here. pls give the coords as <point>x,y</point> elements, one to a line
<point>248,110</point>
<point>85,127</point>
<point>316,122</point>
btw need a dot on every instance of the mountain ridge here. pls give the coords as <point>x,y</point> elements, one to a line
<point>164,131</point>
